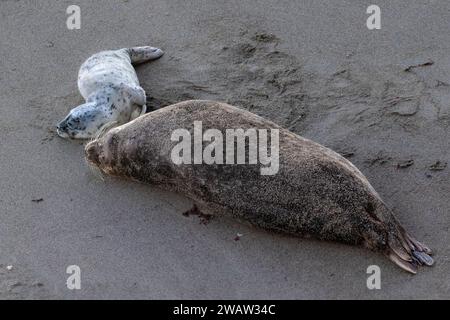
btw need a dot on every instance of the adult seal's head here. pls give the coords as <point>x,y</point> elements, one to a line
<point>109,84</point>
<point>315,191</point>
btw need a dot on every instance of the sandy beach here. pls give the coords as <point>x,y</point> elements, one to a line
<point>379,97</point>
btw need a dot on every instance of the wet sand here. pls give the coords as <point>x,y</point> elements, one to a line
<point>381,97</point>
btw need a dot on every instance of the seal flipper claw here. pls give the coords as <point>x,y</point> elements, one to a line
<point>420,247</point>
<point>405,265</point>
<point>423,258</point>
<point>401,253</point>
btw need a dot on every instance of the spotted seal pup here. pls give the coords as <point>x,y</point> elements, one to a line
<point>109,84</point>
<point>316,192</point>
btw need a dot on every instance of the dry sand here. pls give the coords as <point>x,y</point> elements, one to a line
<point>311,66</point>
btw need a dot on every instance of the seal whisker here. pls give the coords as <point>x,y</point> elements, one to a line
<point>95,171</point>
<point>104,129</point>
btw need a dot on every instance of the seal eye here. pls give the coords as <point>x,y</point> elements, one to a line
<point>73,123</point>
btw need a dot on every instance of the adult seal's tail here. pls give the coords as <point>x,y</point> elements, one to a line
<point>316,191</point>
<point>109,84</point>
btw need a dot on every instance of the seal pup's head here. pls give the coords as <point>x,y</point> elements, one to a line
<point>86,120</point>
<point>83,122</point>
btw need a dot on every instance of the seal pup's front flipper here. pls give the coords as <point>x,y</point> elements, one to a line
<point>143,110</point>
<point>135,93</point>
<point>139,111</point>
<point>137,97</point>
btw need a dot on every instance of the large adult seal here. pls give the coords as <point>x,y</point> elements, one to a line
<point>109,84</point>
<point>316,192</point>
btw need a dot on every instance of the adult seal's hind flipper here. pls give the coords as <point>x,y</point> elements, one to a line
<point>405,251</point>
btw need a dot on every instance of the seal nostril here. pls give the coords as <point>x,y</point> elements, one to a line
<point>61,126</point>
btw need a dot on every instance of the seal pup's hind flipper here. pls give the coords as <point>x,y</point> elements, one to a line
<point>143,54</point>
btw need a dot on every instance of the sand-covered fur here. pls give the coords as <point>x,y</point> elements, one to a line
<point>316,192</point>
